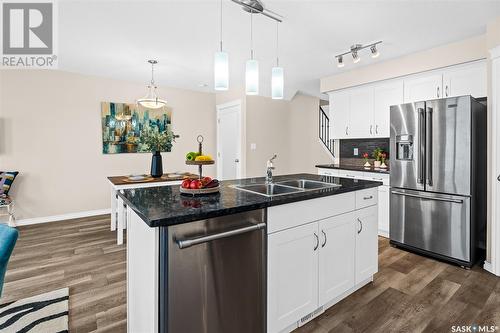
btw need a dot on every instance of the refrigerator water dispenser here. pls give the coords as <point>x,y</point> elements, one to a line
<point>404,147</point>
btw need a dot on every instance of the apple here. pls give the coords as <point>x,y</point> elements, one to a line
<point>206,180</point>
<point>195,184</point>
<point>186,183</point>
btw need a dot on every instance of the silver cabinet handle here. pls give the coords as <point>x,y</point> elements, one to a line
<point>438,92</point>
<point>376,129</point>
<point>371,129</point>
<point>368,198</point>
<point>346,132</point>
<point>237,160</point>
<point>324,234</point>
<point>498,178</point>
<point>360,226</point>
<point>427,198</point>
<point>194,241</point>
<point>317,242</point>
<point>446,91</point>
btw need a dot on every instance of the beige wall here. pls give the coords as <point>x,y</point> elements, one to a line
<point>267,124</point>
<point>51,132</point>
<point>303,144</point>
<point>442,56</point>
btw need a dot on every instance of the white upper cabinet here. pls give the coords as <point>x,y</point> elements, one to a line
<point>423,87</point>
<point>292,275</point>
<point>366,243</point>
<point>336,258</point>
<point>470,79</point>
<point>385,95</point>
<point>339,114</point>
<point>361,113</point>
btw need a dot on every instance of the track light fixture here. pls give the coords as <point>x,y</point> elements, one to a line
<point>354,51</point>
<point>340,61</point>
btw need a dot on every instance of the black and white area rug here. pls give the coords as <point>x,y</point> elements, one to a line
<point>45,313</point>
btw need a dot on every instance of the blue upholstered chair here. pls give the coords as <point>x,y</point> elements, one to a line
<point>8,238</point>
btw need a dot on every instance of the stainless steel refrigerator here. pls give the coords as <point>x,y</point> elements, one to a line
<point>438,178</point>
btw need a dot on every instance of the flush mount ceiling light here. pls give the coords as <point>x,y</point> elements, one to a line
<point>221,63</point>
<point>151,100</point>
<point>354,51</point>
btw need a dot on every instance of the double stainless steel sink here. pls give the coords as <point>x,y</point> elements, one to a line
<point>285,187</point>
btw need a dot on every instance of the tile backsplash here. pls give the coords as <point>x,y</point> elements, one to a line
<point>347,147</point>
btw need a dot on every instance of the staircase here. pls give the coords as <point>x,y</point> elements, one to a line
<point>324,130</point>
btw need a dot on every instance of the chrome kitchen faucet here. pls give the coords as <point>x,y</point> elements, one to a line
<point>270,168</point>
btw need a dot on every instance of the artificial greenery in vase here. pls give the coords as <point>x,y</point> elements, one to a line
<point>158,142</point>
<point>376,155</point>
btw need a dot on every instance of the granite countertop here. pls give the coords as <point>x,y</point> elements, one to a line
<point>165,206</point>
<point>353,168</point>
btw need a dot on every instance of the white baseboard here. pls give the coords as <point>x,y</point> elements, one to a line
<point>69,216</point>
<point>488,267</point>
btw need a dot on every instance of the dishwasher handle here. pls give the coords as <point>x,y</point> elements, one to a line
<point>185,243</point>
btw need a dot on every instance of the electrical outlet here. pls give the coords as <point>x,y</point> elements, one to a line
<point>356,152</point>
<point>253,146</point>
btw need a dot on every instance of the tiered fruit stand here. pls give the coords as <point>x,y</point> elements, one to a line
<point>200,165</point>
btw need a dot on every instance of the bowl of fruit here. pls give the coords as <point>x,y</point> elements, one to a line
<point>205,185</point>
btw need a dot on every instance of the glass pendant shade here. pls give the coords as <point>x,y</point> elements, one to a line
<point>277,83</point>
<point>221,71</point>
<point>252,77</point>
<point>151,100</point>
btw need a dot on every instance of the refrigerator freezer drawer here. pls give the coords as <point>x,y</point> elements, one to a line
<point>432,222</point>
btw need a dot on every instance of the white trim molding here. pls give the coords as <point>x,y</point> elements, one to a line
<point>493,265</point>
<point>69,216</point>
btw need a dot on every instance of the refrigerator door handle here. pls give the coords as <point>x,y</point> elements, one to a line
<point>427,198</point>
<point>421,134</point>
<point>428,146</point>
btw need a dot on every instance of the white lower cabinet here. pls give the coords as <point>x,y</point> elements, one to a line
<point>336,257</point>
<point>292,275</point>
<point>316,264</point>
<point>366,243</point>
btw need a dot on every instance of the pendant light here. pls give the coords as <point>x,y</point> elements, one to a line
<point>221,63</point>
<point>151,100</point>
<point>252,67</point>
<point>277,80</point>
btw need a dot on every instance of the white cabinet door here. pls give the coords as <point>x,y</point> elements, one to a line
<point>339,114</point>
<point>423,87</point>
<point>292,275</point>
<point>470,79</point>
<point>385,95</point>
<point>336,256</point>
<point>361,116</point>
<point>366,243</point>
<point>383,210</point>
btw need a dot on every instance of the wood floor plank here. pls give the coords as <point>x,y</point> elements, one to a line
<point>410,293</point>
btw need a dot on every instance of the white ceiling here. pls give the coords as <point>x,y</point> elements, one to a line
<point>115,38</point>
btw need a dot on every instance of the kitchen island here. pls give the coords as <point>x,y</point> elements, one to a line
<point>247,262</point>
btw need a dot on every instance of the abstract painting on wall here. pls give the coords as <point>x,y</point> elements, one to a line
<point>124,126</point>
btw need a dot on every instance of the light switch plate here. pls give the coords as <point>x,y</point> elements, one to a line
<point>253,146</point>
<point>356,152</point>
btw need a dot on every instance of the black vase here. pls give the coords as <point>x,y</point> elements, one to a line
<point>156,165</point>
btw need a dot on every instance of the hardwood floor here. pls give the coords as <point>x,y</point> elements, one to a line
<point>80,254</point>
<point>409,294</point>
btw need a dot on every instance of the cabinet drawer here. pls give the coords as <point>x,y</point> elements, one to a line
<point>377,177</point>
<point>294,214</point>
<point>351,174</point>
<point>328,172</point>
<point>365,198</point>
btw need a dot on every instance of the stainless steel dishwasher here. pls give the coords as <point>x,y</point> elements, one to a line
<point>216,275</point>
